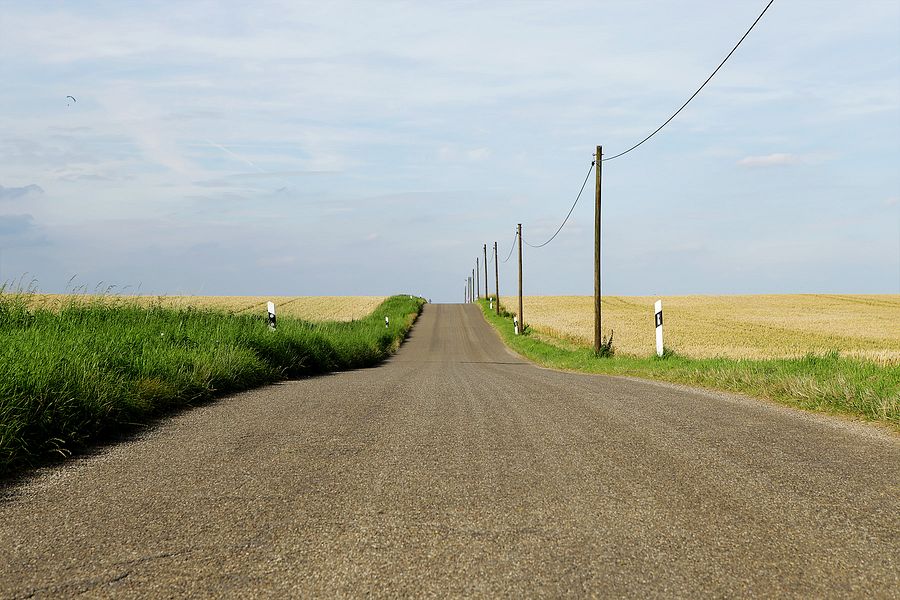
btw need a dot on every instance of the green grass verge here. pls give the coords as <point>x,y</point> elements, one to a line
<point>825,383</point>
<point>68,377</point>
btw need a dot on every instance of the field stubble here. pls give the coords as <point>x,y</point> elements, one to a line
<point>747,326</point>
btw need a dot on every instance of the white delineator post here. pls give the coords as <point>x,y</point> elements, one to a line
<point>516,323</point>
<point>657,309</point>
<point>271,308</point>
<point>386,322</point>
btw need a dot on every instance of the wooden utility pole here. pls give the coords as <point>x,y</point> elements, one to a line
<point>473,285</point>
<point>486,294</point>
<point>477,280</point>
<point>496,278</point>
<point>521,320</point>
<point>598,333</point>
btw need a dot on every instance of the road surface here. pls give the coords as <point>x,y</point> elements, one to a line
<point>458,469</point>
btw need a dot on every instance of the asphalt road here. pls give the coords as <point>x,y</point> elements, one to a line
<point>457,469</point>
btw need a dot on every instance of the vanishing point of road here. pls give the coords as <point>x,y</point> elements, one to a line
<point>458,469</point>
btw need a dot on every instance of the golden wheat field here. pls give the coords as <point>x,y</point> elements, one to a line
<point>310,308</point>
<point>757,326</point>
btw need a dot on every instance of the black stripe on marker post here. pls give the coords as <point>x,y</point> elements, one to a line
<point>271,310</point>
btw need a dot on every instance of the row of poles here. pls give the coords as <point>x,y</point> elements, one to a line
<point>598,162</point>
<point>473,282</point>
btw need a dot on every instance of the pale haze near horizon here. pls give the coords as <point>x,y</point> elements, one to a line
<point>372,148</point>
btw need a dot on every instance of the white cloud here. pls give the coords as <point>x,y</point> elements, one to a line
<point>276,261</point>
<point>772,160</point>
<point>476,154</point>
<point>16,193</point>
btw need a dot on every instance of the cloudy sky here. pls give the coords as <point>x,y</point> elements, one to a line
<point>372,147</point>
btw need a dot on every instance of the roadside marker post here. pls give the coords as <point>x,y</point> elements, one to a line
<point>386,322</point>
<point>657,309</point>
<point>516,324</point>
<point>271,308</point>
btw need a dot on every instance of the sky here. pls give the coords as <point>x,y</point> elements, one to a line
<point>370,148</point>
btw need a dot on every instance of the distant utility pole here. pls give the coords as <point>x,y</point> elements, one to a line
<point>496,278</point>
<point>521,320</point>
<point>473,285</point>
<point>486,294</point>
<point>477,279</point>
<point>598,332</point>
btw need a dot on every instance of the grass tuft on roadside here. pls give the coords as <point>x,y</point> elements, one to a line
<point>77,372</point>
<point>819,382</point>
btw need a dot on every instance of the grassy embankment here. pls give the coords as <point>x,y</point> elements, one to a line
<point>71,374</point>
<point>825,382</point>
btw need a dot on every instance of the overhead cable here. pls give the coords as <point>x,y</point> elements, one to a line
<point>657,130</point>
<point>511,247</point>
<point>578,197</point>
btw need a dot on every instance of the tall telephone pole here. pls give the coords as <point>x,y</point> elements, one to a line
<point>598,333</point>
<point>477,280</point>
<point>496,278</point>
<point>521,320</point>
<point>486,294</point>
<point>473,285</point>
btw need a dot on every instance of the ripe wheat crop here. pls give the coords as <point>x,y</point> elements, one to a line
<point>757,326</point>
<point>308,308</point>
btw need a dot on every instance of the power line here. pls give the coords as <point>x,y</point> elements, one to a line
<point>698,89</point>
<point>653,133</point>
<point>578,197</point>
<point>511,247</point>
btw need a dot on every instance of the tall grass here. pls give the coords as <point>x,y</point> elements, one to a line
<point>72,374</point>
<point>825,382</point>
